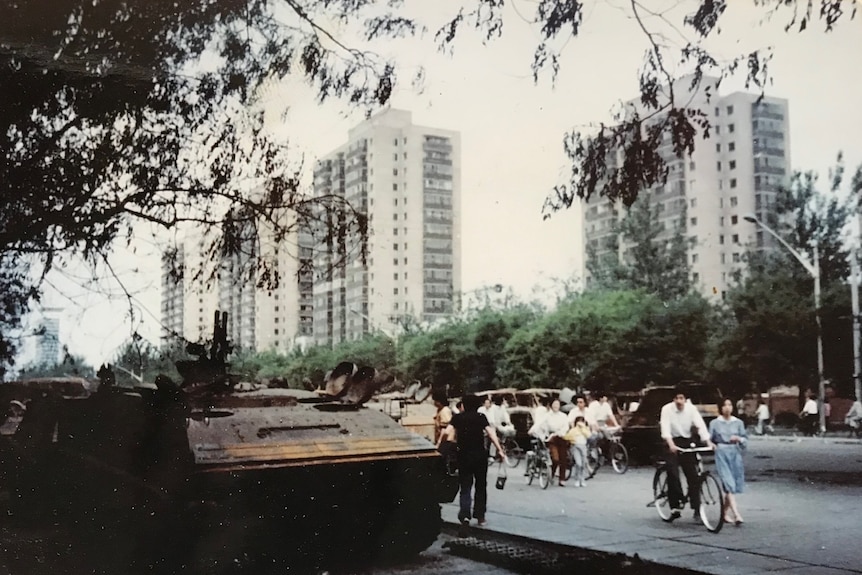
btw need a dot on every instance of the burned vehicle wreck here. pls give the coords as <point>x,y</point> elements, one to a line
<point>211,468</point>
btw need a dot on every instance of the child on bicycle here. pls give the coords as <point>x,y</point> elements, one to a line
<point>577,436</point>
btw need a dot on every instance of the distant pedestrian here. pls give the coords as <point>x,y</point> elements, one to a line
<point>809,415</point>
<point>728,434</point>
<point>853,419</point>
<point>470,428</point>
<point>763,417</point>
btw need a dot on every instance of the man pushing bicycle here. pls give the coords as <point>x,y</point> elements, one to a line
<point>678,418</point>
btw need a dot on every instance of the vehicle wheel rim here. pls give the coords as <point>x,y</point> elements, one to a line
<point>662,504</point>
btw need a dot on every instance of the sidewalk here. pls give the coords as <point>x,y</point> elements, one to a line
<point>791,528</point>
<point>840,437</point>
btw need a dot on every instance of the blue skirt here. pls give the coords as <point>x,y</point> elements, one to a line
<point>728,465</point>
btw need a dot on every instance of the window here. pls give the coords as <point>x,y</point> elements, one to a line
<point>735,258</point>
<point>394,157</point>
<point>276,308</point>
<point>395,276</point>
<point>691,165</point>
<point>720,202</point>
<point>395,247</point>
<point>721,220</point>
<point>723,295</point>
<point>396,201</point>
<point>275,320</point>
<point>760,239</point>
<point>404,141</point>
<point>276,331</point>
<point>718,130</point>
<point>396,305</point>
<point>721,239</point>
<point>394,171</point>
<point>733,202</point>
<point>693,202</point>
<point>394,231</point>
<point>733,182</point>
<point>718,166</point>
<point>394,216</point>
<point>720,184</point>
<point>695,277</point>
<point>718,147</point>
<point>395,142</point>
<point>394,262</point>
<point>395,291</point>
<point>405,261</point>
<point>731,146</point>
<point>723,258</point>
<point>405,155</point>
<point>716,110</point>
<point>730,111</point>
<point>694,258</point>
<point>734,220</point>
<point>735,238</point>
<point>394,187</point>
<point>694,221</point>
<point>730,128</point>
<point>732,164</point>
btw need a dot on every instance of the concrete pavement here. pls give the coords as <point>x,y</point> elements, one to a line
<point>792,526</point>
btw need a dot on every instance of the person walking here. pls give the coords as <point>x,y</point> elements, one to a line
<point>577,436</point>
<point>853,419</point>
<point>763,417</point>
<point>809,415</point>
<point>730,438</point>
<point>470,428</point>
<point>677,420</point>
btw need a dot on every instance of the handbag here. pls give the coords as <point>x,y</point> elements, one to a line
<point>501,476</point>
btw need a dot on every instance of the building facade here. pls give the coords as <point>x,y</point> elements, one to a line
<point>407,180</point>
<point>48,344</point>
<point>188,303</point>
<point>732,174</point>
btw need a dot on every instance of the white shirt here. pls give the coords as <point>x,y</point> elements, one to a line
<point>602,412</point>
<point>810,407</point>
<point>678,422</point>
<point>762,411</point>
<point>555,422</point>
<point>539,414</point>
<point>500,415</point>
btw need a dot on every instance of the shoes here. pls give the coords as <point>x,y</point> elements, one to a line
<point>675,514</point>
<point>739,521</point>
<point>483,522</point>
<point>464,519</point>
<point>562,483</point>
<point>728,520</point>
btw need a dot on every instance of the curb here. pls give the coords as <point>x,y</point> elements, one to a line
<point>803,438</point>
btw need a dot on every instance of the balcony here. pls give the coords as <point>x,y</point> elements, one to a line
<point>769,151</point>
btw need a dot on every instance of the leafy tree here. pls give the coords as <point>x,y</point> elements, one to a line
<point>616,340</point>
<point>146,361</point>
<point>70,366</point>
<point>769,331</point>
<point>653,259</point>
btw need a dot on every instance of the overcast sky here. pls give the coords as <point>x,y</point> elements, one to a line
<point>511,132</point>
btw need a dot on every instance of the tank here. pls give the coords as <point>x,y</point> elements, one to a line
<point>219,469</point>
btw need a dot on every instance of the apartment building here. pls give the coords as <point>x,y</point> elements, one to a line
<point>733,173</point>
<point>407,179</point>
<point>188,302</point>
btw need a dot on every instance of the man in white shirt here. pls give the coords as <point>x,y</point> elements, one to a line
<point>677,420</point>
<point>500,419</point>
<point>603,413</point>
<point>810,421</point>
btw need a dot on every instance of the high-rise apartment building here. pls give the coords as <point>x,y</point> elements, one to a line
<point>407,179</point>
<point>733,173</point>
<point>188,303</point>
<point>48,352</point>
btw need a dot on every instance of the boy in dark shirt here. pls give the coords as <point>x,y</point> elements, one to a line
<point>470,428</point>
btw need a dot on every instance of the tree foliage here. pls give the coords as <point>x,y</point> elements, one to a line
<point>654,259</point>
<point>768,333</point>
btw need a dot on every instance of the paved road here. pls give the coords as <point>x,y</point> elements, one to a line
<point>802,511</point>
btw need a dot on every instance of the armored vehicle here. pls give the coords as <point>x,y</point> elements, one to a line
<point>218,469</point>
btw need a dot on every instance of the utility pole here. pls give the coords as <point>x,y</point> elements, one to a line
<point>854,298</point>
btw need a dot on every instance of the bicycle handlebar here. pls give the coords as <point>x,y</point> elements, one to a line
<point>694,449</point>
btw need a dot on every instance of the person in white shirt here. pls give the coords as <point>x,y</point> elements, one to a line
<point>540,413</point>
<point>500,419</point>
<point>763,417</point>
<point>603,413</point>
<point>853,419</point>
<point>677,420</point>
<point>809,416</point>
<point>581,410</point>
<point>554,427</point>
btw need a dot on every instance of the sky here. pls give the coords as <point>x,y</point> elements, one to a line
<point>511,133</point>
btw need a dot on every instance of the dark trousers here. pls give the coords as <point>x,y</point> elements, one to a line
<point>688,462</point>
<point>473,468</point>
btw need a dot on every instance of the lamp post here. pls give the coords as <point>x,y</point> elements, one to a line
<point>814,270</point>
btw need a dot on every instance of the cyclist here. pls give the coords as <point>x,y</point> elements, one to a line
<point>677,420</point>
<point>500,419</point>
<point>555,426</point>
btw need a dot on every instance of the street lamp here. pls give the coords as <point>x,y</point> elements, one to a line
<point>814,270</point>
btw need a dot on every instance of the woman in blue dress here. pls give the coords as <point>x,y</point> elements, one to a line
<point>730,438</point>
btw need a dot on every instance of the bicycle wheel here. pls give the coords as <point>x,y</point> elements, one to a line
<point>619,456</point>
<point>530,473</point>
<point>545,474</point>
<point>514,452</point>
<point>711,503</point>
<point>593,461</point>
<point>660,493</point>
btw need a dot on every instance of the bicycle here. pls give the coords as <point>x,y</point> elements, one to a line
<point>514,452</point>
<point>711,493</point>
<point>538,464</point>
<point>617,454</point>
